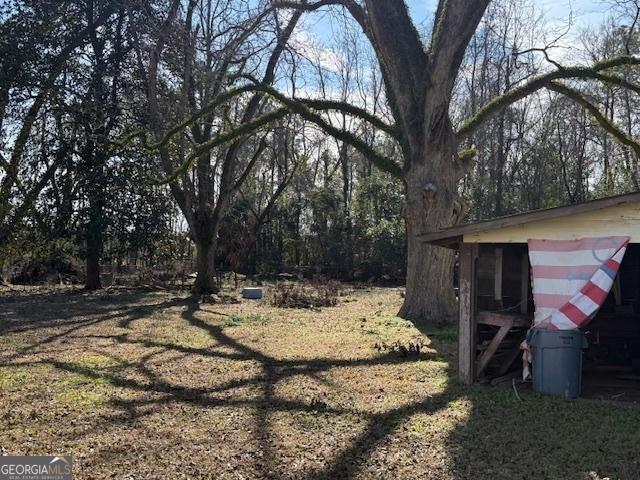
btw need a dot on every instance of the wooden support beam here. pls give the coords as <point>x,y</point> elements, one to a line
<point>467,318</point>
<point>499,319</point>
<point>506,322</point>
<point>486,356</point>
<point>525,278</point>
<point>497,275</point>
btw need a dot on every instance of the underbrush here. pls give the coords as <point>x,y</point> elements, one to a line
<point>309,295</point>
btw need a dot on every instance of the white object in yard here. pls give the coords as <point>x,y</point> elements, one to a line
<point>252,293</point>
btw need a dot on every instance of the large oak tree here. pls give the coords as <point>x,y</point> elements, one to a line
<point>419,83</point>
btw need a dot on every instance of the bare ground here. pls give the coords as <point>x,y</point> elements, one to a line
<point>147,385</point>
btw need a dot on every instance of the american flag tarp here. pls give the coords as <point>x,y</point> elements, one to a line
<point>571,281</point>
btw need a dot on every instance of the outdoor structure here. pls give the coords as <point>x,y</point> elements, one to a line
<point>495,288</point>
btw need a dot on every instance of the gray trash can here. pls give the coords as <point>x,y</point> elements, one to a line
<point>557,361</point>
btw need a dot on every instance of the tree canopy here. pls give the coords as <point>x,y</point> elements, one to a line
<point>233,135</point>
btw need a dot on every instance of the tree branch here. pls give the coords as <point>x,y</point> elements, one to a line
<point>455,23</point>
<point>616,80</point>
<point>597,115</point>
<point>220,139</point>
<point>251,164</point>
<point>291,106</point>
<point>316,104</point>
<point>542,81</point>
<point>354,9</point>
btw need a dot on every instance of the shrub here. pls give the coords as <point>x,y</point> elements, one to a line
<point>55,267</point>
<point>312,295</point>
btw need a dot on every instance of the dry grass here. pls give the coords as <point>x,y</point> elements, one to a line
<point>151,385</point>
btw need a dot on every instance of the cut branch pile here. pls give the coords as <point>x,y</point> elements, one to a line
<point>316,295</point>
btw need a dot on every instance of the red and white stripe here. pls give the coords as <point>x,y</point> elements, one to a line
<point>572,278</point>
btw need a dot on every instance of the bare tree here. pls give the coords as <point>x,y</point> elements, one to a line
<point>221,41</point>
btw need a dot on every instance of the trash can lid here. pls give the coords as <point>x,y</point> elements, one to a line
<point>540,337</point>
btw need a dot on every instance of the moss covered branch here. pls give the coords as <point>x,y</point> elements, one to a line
<point>542,81</point>
<point>305,108</point>
<point>315,104</point>
<point>597,115</point>
<point>291,106</point>
<point>617,80</point>
<point>141,134</point>
<point>438,25</point>
<point>223,138</point>
<point>352,110</point>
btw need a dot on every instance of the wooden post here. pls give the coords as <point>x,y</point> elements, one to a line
<point>467,317</point>
<point>524,283</point>
<point>497,275</point>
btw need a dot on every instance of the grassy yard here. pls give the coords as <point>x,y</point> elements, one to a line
<point>139,384</point>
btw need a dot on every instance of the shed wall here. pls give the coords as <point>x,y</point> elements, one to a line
<point>619,220</point>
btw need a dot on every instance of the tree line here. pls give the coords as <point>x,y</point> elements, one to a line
<point>223,131</point>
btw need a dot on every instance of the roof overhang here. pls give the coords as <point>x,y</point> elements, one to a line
<point>451,237</point>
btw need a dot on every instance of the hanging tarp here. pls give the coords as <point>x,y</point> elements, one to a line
<point>571,280</point>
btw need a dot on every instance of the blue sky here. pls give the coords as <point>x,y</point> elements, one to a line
<point>585,12</point>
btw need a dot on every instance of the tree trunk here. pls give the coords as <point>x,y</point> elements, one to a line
<point>94,248</point>
<point>205,259</point>
<point>95,226</point>
<point>431,188</point>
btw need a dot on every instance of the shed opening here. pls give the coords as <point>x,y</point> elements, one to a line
<point>504,311</point>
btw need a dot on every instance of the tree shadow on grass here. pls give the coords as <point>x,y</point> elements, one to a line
<point>378,427</point>
<point>497,435</point>
<point>92,310</point>
<point>38,311</point>
<point>500,435</point>
<point>158,390</point>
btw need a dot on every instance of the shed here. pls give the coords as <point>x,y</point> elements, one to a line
<point>495,294</point>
